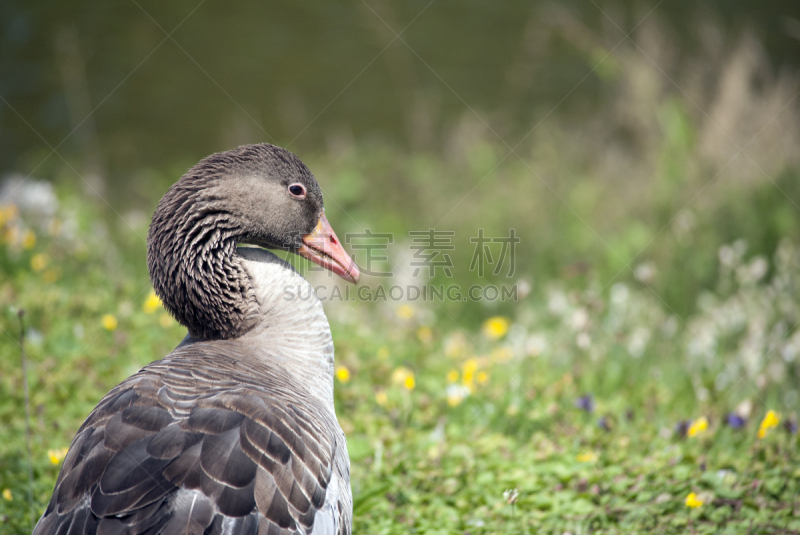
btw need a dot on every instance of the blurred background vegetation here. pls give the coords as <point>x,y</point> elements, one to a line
<point>608,135</point>
<point>645,152</point>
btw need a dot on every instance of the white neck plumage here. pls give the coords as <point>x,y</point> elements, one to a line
<point>292,328</point>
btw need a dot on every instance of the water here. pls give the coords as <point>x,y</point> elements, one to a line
<point>124,86</point>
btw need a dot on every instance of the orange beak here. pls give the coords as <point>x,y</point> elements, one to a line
<point>323,247</point>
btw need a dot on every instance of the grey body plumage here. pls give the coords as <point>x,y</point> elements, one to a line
<point>234,431</point>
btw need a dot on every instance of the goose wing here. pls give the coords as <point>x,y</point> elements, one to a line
<point>185,447</point>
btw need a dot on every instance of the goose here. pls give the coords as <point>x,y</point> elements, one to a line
<point>234,431</point>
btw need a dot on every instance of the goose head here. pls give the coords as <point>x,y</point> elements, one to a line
<point>261,195</point>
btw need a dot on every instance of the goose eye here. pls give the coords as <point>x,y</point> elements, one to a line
<point>297,190</point>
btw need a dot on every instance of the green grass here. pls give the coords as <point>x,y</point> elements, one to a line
<point>431,460</point>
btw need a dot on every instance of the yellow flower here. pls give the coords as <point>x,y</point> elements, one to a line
<point>383,352</point>
<point>56,456</point>
<point>7,495</point>
<point>495,328</point>
<point>589,457</point>
<point>400,374</point>
<point>471,366</point>
<point>425,335</point>
<point>165,320</point>
<point>29,239</point>
<point>381,398</point>
<point>482,377</point>
<point>39,262</point>
<point>405,377</point>
<point>343,374</point>
<point>771,419</point>
<point>698,426</point>
<point>405,312</point>
<point>7,213</point>
<point>409,383</point>
<point>693,501</point>
<point>452,376</point>
<point>468,373</point>
<point>109,322</point>
<point>152,303</point>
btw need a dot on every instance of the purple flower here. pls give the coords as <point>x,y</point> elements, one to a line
<point>682,427</point>
<point>790,426</point>
<point>604,424</point>
<point>735,421</point>
<point>585,403</point>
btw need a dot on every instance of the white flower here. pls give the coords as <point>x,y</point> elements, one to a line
<point>758,268</point>
<point>619,294</point>
<point>579,320</point>
<point>535,344</point>
<point>645,273</point>
<point>456,394</point>
<point>726,255</point>
<point>524,288</point>
<point>557,302</point>
<point>638,341</point>
<point>744,408</point>
<point>510,496</point>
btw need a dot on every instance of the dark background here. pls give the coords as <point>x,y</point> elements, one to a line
<point>295,72</point>
<point>588,127</point>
